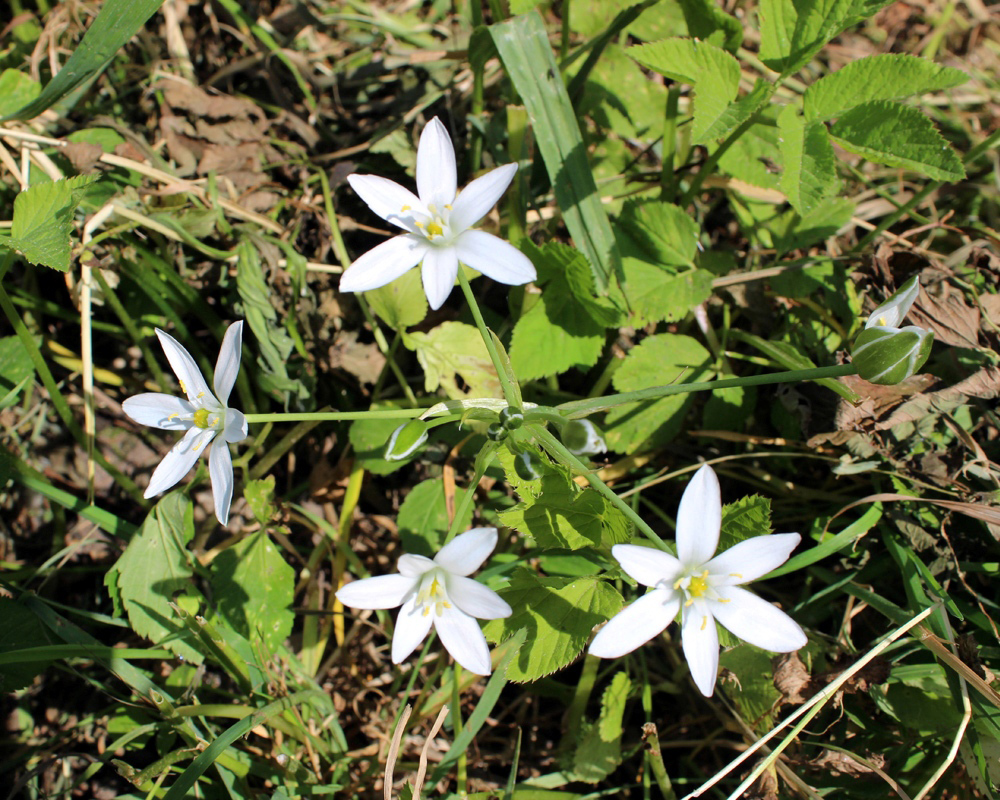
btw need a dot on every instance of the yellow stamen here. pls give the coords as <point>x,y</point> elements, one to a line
<point>405,208</point>
<point>883,321</point>
<point>433,229</point>
<point>183,387</point>
<point>698,585</point>
<point>201,418</point>
<point>704,622</point>
<point>448,206</point>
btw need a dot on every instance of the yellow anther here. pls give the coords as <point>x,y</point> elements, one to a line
<point>434,229</point>
<point>405,208</point>
<point>448,206</point>
<point>704,623</point>
<point>173,416</point>
<point>883,321</point>
<point>183,387</point>
<point>200,395</point>
<point>735,575</point>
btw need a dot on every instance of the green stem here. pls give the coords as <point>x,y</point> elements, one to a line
<point>668,184</point>
<point>581,408</point>
<point>336,416</point>
<point>482,462</point>
<point>508,391</point>
<point>558,449</point>
<point>456,727</point>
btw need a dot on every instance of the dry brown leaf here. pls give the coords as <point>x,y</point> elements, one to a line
<point>364,361</point>
<point>845,764</point>
<point>876,400</point>
<point>949,315</point>
<point>792,679</point>
<point>984,384</point>
<point>83,155</point>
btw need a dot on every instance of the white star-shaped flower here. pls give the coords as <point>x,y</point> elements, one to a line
<point>203,415</point>
<point>704,589</point>
<point>888,315</point>
<point>437,592</point>
<point>438,225</point>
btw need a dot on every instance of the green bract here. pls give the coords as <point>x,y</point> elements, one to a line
<point>405,440</point>
<point>888,357</point>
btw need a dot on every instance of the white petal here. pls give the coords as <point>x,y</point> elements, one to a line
<point>156,409</point>
<point>412,626</point>
<point>700,642</point>
<point>235,429</point>
<point>892,311</point>
<point>466,553</point>
<point>494,257</point>
<point>758,622</point>
<point>193,383</point>
<point>384,263</point>
<point>439,270</point>
<point>179,460</point>
<point>476,600</point>
<point>389,200</point>
<point>436,180</point>
<point>414,566</point>
<point>752,558</point>
<point>476,199</point>
<point>699,519</point>
<point>646,565</point>
<point>461,636</point>
<point>637,624</point>
<point>227,367</point>
<point>220,470</point>
<point>385,591</point>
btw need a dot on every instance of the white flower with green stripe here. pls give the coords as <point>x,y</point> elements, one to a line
<point>885,353</point>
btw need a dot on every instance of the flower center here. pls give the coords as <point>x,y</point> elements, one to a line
<point>205,418</point>
<point>883,321</point>
<point>697,586</point>
<point>432,595</point>
<point>434,226</point>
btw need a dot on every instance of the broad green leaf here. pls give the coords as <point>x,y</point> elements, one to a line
<point>714,73</point>
<point>155,566</point>
<point>16,369</point>
<point>17,89</point>
<point>253,587</point>
<point>665,358</point>
<point>598,750</point>
<point>753,689</point>
<point>898,136</point>
<point>455,350</point>
<point>524,48</point>
<point>824,220</point>
<point>43,221</point>
<point>21,629</point>
<point>555,335</point>
<point>564,516</point>
<point>401,303</point>
<point>656,294</point>
<point>368,437</point>
<point>708,22</point>
<point>116,23</point>
<point>592,17</point>
<point>748,517</point>
<point>260,498</point>
<point>777,24</point>
<point>888,357</point>
<point>660,233</point>
<point>423,518</point>
<point>810,168</point>
<point>754,156</point>
<point>560,615</point>
<point>888,76</point>
<point>527,488</point>
<point>736,113</point>
<point>556,260</point>
<point>522,6</point>
<point>619,96</point>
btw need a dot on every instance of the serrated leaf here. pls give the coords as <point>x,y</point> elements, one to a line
<point>43,221</point>
<point>656,294</point>
<point>888,76</point>
<point>736,113</point>
<point>423,518</point>
<point>401,303</point>
<point>754,155</point>
<point>659,360</point>
<point>17,89</point>
<point>753,689</point>
<point>155,566</point>
<point>898,136</point>
<point>826,218</point>
<point>748,517</point>
<point>598,749</point>
<point>810,168</point>
<point>708,22</point>
<point>559,613</point>
<point>528,488</point>
<point>713,72</point>
<point>454,350</point>
<point>660,233</point>
<point>554,336</point>
<point>260,497</point>
<point>253,587</point>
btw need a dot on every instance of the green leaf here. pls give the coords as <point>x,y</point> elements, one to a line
<point>598,749</point>
<point>527,488</point>
<point>777,25</point>
<point>888,76</point>
<point>155,566</point>
<point>753,689</point>
<point>260,498</point>
<point>423,518</point>
<point>887,357</point>
<point>559,614</point>
<point>21,629</point>
<point>17,89</point>
<point>754,155</point>
<point>713,72</point>
<point>564,516</point>
<point>748,517</point>
<point>454,350</point>
<point>659,233</point>
<point>810,168</point>
<point>401,303</point>
<point>662,359</point>
<point>43,220</point>
<point>898,136</point>
<point>737,112</point>
<point>823,221</point>
<point>368,437</point>
<point>253,587</point>
<point>524,48</point>
<point>16,369</point>
<point>115,24</point>
<point>708,22</point>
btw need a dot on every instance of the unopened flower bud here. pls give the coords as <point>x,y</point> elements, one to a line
<point>582,438</point>
<point>405,440</point>
<point>511,418</point>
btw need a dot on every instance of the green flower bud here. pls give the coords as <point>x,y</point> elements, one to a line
<point>511,418</point>
<point>527,466</point>
<point>496,432</point>
<point>582,438</point>
<point>405,440</point>
<point>888,356</point>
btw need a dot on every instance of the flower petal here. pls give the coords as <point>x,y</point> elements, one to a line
<point>389,200</point>
<point>700,641</point>
<point>637,624</point>
<point>646,565</point>
<point>384,263</point>
<point>385,591</point>
<point>439,270</point>
<point>414,566</point>
<point>412,625</point>
<point>235,429</point>
<point>220,470</point>
<point>476,199</point>
<point>462,637</point>
<point>179,460</point>
<point>466,553</point>
<point>160,410</point>
<point>193,383</point>
<point>476,600</point>
<point>436,173</point>
<point>227,367</point>
<point>758,622</point>
<point>495,258</point>
<point>750,559</point>
<point>699,519</point>
<point>892,311</point>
